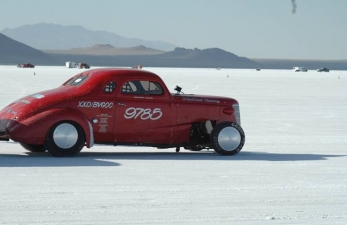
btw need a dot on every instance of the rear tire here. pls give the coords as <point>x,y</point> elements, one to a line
<point>65,138</point>
<point>33,148</point>
<point>227,138</point>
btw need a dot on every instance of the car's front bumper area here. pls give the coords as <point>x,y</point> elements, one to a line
<point>4,136</point>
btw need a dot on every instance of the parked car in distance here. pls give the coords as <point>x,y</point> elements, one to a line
<point>299,69</point>
<point>121,107</point>
<point>83,66</point>
<point>26,65</point>
<point>71,64</point>
<point>137,67</point>
<point>323,69</point>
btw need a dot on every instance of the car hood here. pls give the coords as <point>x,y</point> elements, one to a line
<point>35,103</point>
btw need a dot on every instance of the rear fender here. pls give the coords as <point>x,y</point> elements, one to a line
<point>33,130</point>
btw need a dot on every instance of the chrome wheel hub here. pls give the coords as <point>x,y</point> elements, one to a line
<point>65,135</point>
<point>229,138</point>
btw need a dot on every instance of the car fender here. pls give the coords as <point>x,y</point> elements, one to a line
<point>33,130</point>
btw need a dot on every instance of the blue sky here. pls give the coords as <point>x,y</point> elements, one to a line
<point>249,28</point>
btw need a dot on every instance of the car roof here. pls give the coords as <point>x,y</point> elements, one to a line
<point>107,72</point>
<point>102,75</point>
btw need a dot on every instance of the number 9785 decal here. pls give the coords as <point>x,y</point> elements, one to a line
<point>143,114</point>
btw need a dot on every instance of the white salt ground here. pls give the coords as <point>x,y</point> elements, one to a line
<point>292,169</point>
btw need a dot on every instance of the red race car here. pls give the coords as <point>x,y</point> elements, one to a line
<point>121,107</point>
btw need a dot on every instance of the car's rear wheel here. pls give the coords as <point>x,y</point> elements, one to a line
<point>65,138</point>
<point>33,148</point>
<point>227,138</point>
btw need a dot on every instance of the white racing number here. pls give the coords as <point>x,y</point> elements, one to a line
<point>143,114</point>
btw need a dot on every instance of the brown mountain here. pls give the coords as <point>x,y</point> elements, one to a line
<point>107,49</point>
<point>13,52</point>
<point>180,57</point>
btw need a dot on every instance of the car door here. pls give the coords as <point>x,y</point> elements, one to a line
<point>143,113</point>
<point>99,108</point>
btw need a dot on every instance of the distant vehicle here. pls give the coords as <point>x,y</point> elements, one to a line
<point>25,65</point>
<point>121,107</point>
<point>323,70</point>
<point>83,66</point>
<point>299,69</point>
<point>71,65</point>
<point>137,67</point>
<point>258,69</point>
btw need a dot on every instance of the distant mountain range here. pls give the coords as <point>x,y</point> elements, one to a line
<point>179,57</point>
<point>14,52</point>
<point>45,36</point>
<point>107,49</point>
<point>74,43</point>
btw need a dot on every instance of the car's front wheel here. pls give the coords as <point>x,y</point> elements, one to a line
<point>65,138</point>
<point>227,138</point>
<point>33,148</point>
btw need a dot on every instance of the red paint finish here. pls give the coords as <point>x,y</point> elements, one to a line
<point>115,106</point>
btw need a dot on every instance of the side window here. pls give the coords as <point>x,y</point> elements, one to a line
<point>155,88</point>
<point>142,87</point>
<point>129,87</point>
<point>110,87</point>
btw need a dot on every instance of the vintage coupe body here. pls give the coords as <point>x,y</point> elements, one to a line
<point>121,107</point>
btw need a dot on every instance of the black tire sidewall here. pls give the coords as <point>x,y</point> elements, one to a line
<point>214,138</point>
<point>61,152</point>
<point>33,148</point>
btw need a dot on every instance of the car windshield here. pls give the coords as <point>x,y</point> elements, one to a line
<point>76,80</point>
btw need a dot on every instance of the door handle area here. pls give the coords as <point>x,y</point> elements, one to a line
<point>121,104</point>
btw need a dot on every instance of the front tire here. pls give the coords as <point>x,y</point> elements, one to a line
<point>65,138</point>
<point>33,148</point>
<point>227,138</point>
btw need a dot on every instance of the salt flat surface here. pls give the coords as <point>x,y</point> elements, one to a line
<point>292,169</point>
